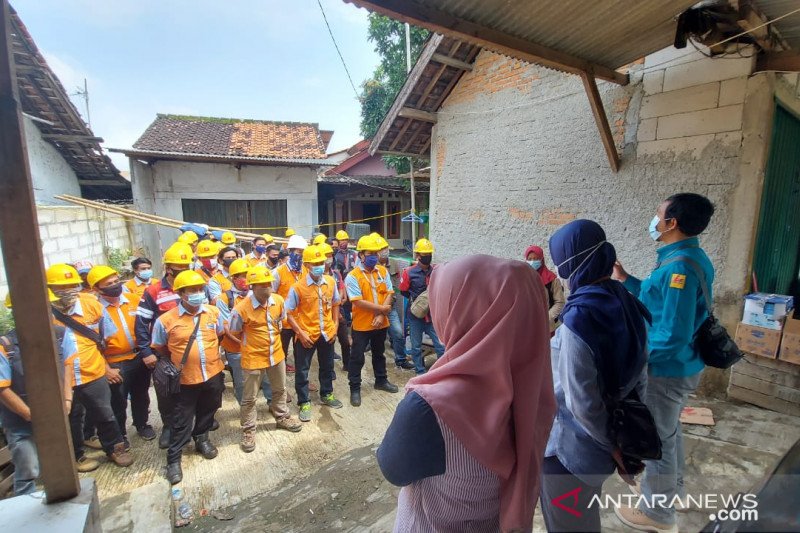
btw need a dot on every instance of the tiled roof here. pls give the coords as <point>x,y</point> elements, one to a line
<point>232,138</point>
<point>378,182</point>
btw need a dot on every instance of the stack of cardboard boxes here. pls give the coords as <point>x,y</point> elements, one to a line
<point>767,328</point>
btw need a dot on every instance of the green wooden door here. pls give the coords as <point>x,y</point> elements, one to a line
<point>777,254</point>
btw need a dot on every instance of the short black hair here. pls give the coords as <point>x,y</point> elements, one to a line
<point>226,250</point>
<point>140,261</point>
<point>273,247</point>
<point>283,253</point>
<point>259,238</point>
<point>691,211</point>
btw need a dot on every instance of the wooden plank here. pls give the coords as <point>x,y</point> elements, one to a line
<point>765,387</point>
<point>418,114</point>
<point>763,400</point>
<point>497,41</point>
<point>5,484</point>
<point>602,121</point>
<point>451,62</point>
<point>788,61</point>
<point>5,456</point>
<point>400,133</point>
<point>71,138</point>
<point>773,374</point>
<point>19,231</point>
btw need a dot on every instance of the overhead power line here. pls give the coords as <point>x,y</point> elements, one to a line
<point>330,32</point>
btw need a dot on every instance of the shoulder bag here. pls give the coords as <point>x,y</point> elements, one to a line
<point>82,329</point>
<point>166,376</point>
<point>420,307</point>
<point>712,340</point>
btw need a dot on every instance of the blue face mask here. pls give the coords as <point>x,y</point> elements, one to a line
<point>196,299</point>
<point>295,261</point>
<point>370,261</point>
<point>536,264</point>
<point>654,233</point>
<point>261,249</point>
<point>145,275</point>
<point>318,270</point>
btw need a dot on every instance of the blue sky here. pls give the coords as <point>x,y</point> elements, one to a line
<point>267,59</point>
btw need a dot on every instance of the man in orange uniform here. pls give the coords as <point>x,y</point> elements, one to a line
<point>369,287</point>
<point>142,276</point>
<point>287,275</point>
<point>313,312</point>
<point>191,330</point>
<point>119,352</point>
<point>86,372</point>
<point>221,280</point>
<point>257,321</point>
<point>259,254</point>
<point>206,253</point>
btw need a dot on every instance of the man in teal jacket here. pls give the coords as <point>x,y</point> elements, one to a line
<point>673,294</point>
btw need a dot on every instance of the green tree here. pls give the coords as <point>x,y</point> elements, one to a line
<point>379,91</point>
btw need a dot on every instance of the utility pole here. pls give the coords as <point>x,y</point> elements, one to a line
<point>410,161</point>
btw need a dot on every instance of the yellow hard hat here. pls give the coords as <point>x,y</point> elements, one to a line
<point>228,238</point>
<point>290,232</point>
<point>99,273</point>
<point>423,246</point>
<point>326,248</point>
<point>372,243</point>
<point>62,274</point>
<point>342,235</point>
<point>384,243</point>
<point>50,296</point>
<point>178,254</point>
<point>313,254</point>
<point>238,267</point>
<point>319,239</point>
<point>362,241</point>
<point>188,237</point>
<point>188,278</point>
<point>259,274</point>
<point>269,238</point>
<point>206,249</point>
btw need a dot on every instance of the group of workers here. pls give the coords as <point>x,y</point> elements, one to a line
<point>216,307</point>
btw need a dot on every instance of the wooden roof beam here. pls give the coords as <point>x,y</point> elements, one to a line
<point>71,138</point>
<point>601,119</point>
<point>418,114</point>
<point>788,61</point>
<point>444,23</point>
<point>451,62</point>
<point>104,183</point>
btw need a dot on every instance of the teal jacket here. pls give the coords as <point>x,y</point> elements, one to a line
<point>674,297</point>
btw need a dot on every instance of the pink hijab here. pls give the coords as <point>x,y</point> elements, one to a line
<point>546,274</point>
<point>493,386</point>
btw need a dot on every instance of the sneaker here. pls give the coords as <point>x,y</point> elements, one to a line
<point>386,386</point>
<point>119,456</point>
<point>289,423</point>
<point>248,443</point>
<point>305,412</point>
<point>331,401</point>
<point>87,465</point>
<point>93,443</point>
<point>406,365</point>
<point>633,517</point>
<point>146,432</point>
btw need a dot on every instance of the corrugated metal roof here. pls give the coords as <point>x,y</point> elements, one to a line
<point>610,33</point>
<point>789,28</point>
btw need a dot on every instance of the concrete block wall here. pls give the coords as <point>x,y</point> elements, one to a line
<point>514,161</point>
<point>68,234</point>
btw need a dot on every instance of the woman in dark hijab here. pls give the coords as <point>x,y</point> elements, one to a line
<point>600,350</point>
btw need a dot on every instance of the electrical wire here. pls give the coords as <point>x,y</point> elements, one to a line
<point>330,32</point>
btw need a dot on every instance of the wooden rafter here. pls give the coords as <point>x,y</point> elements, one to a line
<point>417,114</point>
<point>601,119</point>
<point>451,62</point>
<point>788,61</point>
<point>400,134</point>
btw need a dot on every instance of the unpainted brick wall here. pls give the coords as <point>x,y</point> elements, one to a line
<point>69,234</point>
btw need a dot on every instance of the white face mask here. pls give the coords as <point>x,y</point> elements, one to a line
<point>591,251</point>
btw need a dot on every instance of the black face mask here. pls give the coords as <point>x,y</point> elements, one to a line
<point>272,260</point>
<point>425,259</point>
<point>227,262</point>
<point>112,291</point>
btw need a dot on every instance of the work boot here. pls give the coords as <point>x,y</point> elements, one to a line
<point>120,456</point>
<point>204,447</point>
<point>406,365</point>
<point>85,464</point>
<point>215,425</point>
<point>93,443</point>
<point>174,473</point>
<point>633,517</point>
<point>355,398</point>
<point>331,401</point>
<point>386,386</point>
<point>248,443</point>
<point>289,423</point>
<point>146,432</point>
<point>165,438</point>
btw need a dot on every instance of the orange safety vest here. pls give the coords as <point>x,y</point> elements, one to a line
<point>227,344</point>
<point>179,328</point>
<point>137,288</point>
<point>373,289</point>
<point>288,277</point>
<point>86,363</point>
<point>314,311</point>
<point>261,338</point>
<point>120,346</point>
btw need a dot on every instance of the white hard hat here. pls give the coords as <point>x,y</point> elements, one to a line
<point>297,242</point>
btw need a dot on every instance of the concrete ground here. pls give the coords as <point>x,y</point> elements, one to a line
<point>325,478</point>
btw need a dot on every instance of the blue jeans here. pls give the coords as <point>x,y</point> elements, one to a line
<point>665,398</point>
<point>397,337</point>
<point>24,458</point>
<point>235,362</point>
<point>417,327</point>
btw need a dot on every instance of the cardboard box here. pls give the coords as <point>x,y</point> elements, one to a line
<point>758,341</point>
<point>790,345</point>
<point>767,310</point>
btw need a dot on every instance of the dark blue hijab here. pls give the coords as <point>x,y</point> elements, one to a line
<point>609,319</point>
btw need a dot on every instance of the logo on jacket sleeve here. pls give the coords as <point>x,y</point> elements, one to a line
<point>678,281</point>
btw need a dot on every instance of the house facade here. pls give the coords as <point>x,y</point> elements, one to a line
<point>252,175</point>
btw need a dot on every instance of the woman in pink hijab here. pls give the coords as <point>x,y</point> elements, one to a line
<point>467,441</point>
<point>534,256</point>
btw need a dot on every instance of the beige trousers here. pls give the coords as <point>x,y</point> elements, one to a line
<point>252,386</point>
